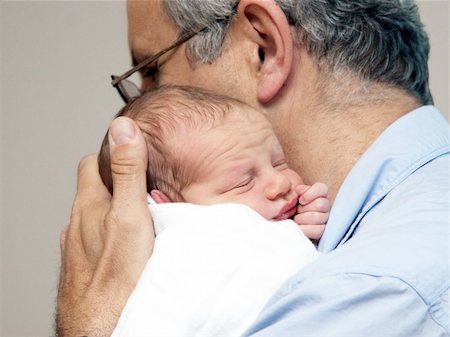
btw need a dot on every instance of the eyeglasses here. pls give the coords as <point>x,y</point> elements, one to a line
<point>127,89</point>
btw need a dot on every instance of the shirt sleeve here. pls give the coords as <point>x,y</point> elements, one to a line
<point>347,305</point>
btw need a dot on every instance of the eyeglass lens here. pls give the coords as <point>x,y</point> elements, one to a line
<point>130,89</point>
<point>127,89</point>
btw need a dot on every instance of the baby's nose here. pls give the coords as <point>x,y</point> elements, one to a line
<point>278,186</point>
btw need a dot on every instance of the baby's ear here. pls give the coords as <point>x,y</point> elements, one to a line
<point>159,197</point>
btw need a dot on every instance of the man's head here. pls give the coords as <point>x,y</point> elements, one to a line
<point>377,40</point>
<point>207,149</point>
<point>329,75</point>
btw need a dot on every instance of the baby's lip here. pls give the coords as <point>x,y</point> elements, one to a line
<point>287,211</point>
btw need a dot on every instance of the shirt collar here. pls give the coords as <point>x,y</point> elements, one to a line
<point>410,142</point>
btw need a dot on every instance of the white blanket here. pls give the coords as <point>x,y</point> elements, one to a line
<point>212,271</point>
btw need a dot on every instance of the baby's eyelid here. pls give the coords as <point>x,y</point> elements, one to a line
<point>279,162</point>
<point>244,183</point>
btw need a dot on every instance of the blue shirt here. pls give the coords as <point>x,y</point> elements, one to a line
<point>386,269</point>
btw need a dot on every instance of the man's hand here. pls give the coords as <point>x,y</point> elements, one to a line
<point>109,239</point>
<point>313,210</point>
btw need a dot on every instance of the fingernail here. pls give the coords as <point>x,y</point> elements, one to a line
<point>122,131</point>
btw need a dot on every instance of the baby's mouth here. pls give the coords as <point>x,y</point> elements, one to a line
<point>287,211</point>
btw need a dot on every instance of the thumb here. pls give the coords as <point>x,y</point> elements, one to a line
<point>128,224</point>
<point>128,153</point>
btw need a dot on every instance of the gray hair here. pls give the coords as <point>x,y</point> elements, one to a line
<point>379,40</point>
<point>193,15</point>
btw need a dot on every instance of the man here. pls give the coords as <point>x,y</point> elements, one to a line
<point>345,84</point>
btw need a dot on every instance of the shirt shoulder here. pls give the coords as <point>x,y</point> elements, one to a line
<point>352,304</point>
<point>390,273</point>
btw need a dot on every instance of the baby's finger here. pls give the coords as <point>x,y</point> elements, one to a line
<point>311,218</point>
<point>318,205</point>
<point>313,232</point>
<point>318,190</point>
<point>300,189</point>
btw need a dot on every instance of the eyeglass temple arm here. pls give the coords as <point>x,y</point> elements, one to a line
<point>146,62</point>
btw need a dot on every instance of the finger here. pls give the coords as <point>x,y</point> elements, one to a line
<point>86,197</point>
<point>317,205</point>
<point>76,260</point>
<point>129,229</point>
<point>62,245</point>
<point>62,239</point>
<point>300,189</point>
<point>315,191</point>
<point>311,218</point>
<point>76,270</point>
<point>92,201</point>
<point>89,185</point>
<point>90,249</point>
<point>128,153</point>
<point>313,232</point>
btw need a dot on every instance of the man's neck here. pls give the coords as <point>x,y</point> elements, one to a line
<point>325,134</point>
<point>340,141</point>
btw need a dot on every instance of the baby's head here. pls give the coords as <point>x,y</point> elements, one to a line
<point>207,149</point>
<point>166,116</point>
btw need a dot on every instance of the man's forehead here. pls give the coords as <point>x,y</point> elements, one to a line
<point>149,28</point>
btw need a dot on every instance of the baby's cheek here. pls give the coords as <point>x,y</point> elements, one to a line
<point>258,204</point>
<point>294,177</point>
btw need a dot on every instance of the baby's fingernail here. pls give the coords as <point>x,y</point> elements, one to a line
<point>122,131</point>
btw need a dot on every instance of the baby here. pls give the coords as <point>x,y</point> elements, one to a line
<point>207,149</point>
<point>215,266</point>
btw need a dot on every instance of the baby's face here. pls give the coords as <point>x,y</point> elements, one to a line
<point>243,162</point>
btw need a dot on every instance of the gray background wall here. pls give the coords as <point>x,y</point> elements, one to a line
<point>56,103</point>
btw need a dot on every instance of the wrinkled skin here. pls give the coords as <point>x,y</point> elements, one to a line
<point>107,242</point>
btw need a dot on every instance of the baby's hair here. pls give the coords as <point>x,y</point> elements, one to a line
<point>161,115</point>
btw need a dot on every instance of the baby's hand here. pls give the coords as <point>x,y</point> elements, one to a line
<point>313,209</point>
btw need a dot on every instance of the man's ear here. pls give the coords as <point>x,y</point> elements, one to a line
<point>272,36</point>
<point>159,197</point>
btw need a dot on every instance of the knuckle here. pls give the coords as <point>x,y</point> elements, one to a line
<point>123,168</point>
<point>324,188</point>
<point>321,189</point>
<point>322,204</point>
<point>75,213</point>
<point>127,161</point>
<point>310,218</point>
<point>318,230</point>
<point>127,226</point>
<point>116,220</point>
<point>84,162</point>
<point>315,217</point>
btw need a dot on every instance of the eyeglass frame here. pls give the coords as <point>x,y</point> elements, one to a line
<point>117,80</point>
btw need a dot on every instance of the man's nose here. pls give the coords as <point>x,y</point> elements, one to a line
<point>277,186</point>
